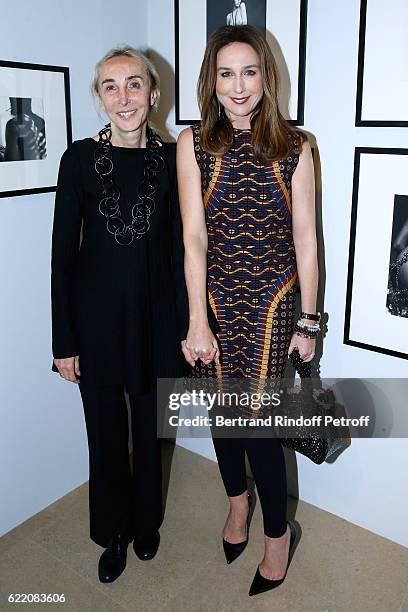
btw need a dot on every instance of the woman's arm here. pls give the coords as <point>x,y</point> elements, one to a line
<point>177,250</point>
<point>243,13</point>
<point>200,340</point>
<point>65,248</point>
<point>401,241</point>
<point>304,237</point>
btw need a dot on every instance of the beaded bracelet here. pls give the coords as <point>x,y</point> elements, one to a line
<point>307,331</point>
<point>303,335</point>
<point>301,322</point>
<point>315,327</point>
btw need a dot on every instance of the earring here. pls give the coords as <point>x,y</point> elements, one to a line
<point>219,109</point>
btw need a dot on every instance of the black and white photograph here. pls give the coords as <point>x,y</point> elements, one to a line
<point>397,297</point>
<point>235,12</point>
<point>377,283</point>
<point>35,126</point>
<point>282,22</point>
<point>22,129</point>
<point>382,84</point>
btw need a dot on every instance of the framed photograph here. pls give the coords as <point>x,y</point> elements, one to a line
<point>382,83</point>
<point>35,126</point>
<point>283,22</point>
<point>376,316</point>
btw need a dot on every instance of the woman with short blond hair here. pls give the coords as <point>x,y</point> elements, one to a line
<point>117,300</point>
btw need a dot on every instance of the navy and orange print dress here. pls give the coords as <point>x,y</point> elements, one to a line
<point>251,258</point>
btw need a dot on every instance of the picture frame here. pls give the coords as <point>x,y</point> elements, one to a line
<point>283,21</point>
<point>376,312</point>
<point>35,126</point>
<point>382,88</point>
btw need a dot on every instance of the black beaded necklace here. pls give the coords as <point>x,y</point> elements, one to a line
<point>142,210</point>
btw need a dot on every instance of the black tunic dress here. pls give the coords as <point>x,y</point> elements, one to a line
<point>122,309</point>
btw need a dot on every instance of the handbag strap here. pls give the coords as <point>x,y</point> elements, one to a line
<point>303,368</point>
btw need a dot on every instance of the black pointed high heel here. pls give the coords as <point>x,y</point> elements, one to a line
<point>261,584</point>
<point>232,551</point>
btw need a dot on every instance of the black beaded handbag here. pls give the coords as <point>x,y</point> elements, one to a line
<point>306,402</point>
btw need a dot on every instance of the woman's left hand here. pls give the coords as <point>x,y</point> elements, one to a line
<point>187,355</point>
<point>305,346</point>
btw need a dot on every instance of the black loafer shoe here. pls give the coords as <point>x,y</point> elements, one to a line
<point>147,548</point>
<point>113,559</point>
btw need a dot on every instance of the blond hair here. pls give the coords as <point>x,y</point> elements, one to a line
<point>127,51</point>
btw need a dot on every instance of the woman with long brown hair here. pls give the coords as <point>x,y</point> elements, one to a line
<point>246,187</point>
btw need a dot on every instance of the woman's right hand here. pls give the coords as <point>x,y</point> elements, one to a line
<point>68,368</point>
<point>201,344</point>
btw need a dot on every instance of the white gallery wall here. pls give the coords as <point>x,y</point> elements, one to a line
<point>43,451</point>
<point>367,484</point>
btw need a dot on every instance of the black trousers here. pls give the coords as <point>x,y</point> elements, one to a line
<point>267,463</point>
<point>122,498</point>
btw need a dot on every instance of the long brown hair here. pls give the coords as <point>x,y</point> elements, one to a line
<point>272,135</point>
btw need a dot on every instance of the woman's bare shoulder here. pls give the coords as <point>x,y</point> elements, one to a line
<point>185,136</point>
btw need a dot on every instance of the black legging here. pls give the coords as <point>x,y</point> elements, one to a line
<point>119,500</point>
<point>267,463</point>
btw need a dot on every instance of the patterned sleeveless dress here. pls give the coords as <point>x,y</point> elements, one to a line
<point>251,258</point>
